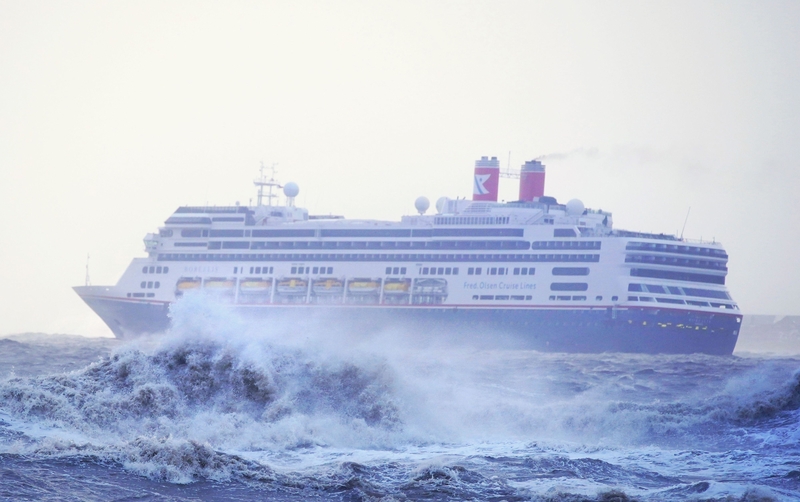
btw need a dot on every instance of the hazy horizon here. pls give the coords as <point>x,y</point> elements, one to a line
<point>112,115</point>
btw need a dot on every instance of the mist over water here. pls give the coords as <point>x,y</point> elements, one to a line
<point>221,408</point>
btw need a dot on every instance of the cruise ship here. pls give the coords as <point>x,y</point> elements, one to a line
<point>547,275</point>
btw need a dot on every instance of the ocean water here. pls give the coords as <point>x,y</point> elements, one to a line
<point>222,409</point>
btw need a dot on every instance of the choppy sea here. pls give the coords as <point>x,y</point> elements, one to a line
<point>219,409</point>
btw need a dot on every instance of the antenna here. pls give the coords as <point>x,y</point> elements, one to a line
<point>508,173</point>
<point>88,282</point>
<point>684,221</point>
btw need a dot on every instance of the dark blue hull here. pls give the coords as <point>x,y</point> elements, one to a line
<point>130,318</point>
<point>635,330</point>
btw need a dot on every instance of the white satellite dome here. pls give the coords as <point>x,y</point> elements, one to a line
<point>291,189</point>
<point>422,204</point>
<point>441,204</point>
<point>575,207</point>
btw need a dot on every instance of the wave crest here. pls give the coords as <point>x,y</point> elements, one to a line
<point>214,385</point>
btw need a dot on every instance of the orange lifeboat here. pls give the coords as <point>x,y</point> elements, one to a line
<point>292,286</point>
<point>364,286</point>
<point>328,287</point>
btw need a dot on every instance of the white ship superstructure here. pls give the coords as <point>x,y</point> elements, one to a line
<point>557,276</point>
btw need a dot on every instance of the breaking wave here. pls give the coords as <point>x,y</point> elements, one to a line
<point>242,400</point>
<point>303,405</point>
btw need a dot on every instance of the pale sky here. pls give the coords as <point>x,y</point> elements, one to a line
<point>112,114</point>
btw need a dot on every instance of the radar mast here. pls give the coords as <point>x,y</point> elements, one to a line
<point>262,182</point>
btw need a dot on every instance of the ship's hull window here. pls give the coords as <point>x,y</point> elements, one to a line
<point>570,271</point>
<point>569,286</point>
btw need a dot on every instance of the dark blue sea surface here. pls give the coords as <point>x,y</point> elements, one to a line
<point>218,409</point>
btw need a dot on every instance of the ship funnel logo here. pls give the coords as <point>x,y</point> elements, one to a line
<point>480,187</point>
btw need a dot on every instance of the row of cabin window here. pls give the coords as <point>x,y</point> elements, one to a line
<point>501,297</point>
<point>674,248</point>
<point>579,298</point>
<point>388,232</point>
<point>565,245</point>
<point>260,270</point>
<point>391,244</point>
<point>472,220</point>
<point>438,271</point>
<point>155,270</point>
<point>362,245</point>
<point>579,258</point>
<point>676,301</point>
<point>150,284</point>
<point>675,290</point>
<point>321,270</point>
<point>436,232</point>
<point>141,295</point>
<point>309,270</point>
<point>677,276</point>
<point>489,271</point>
